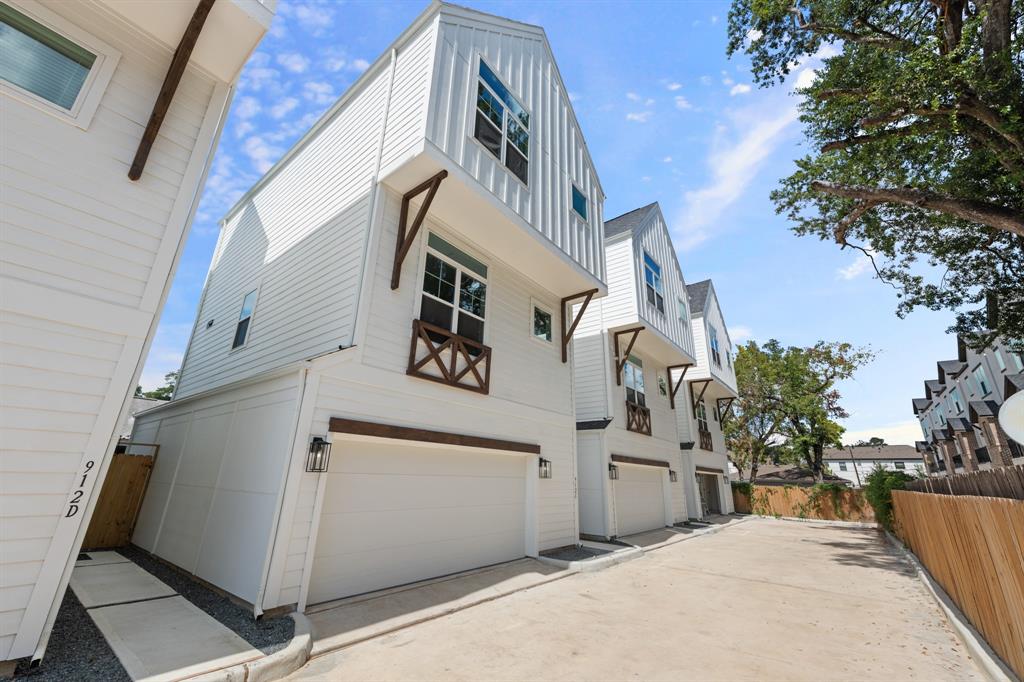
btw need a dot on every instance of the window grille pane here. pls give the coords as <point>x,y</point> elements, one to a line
<point>241,331</point>
<point>489,137</point>
<point>541,324</point>
<point>439,279</point>
<point>472,295</point>
<point>456,254</point>
<point>435,312</point>
<point>41,61</point>
<point>579,203</point>
<point>519,137</point>
<point>248,303</point>
<point>517,163</point>
<point>471,328</point>
<point>489,106</point>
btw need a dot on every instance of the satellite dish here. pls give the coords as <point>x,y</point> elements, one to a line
<point>1011,417</point>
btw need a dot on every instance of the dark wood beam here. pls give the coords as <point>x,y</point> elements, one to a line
<point>696,399</point>
<point>643,461</point>
<point>675,386</point>
<point>364,428</point>
<point>723,410</point>
<point>407,233</point>
<point>567,333</point>
<point>709,470</point>
<point>174,73</point>
<point>620,358</point>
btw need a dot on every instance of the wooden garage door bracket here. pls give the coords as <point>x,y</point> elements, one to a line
<point>699,397</point>
<point>621,358</point>
<point>567,333</point>
<point>407,233</point>
<point>675,385</point>
<point>363,428</point>
<point>642,461</point>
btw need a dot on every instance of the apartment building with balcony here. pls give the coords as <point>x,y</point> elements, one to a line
<point>377,389</point>
<point>959,411</point>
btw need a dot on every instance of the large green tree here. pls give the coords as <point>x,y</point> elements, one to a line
<point>756,418</point>
<point>916,123</point>
<point>163,392</point>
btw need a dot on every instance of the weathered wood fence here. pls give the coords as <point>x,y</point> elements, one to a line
<point>999,482</point>
<point>804,503</point>
<point>973,547</point>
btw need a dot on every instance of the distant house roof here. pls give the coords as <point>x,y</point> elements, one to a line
<point>791,474</point>
<point>921,404</point>
<point>698,295</point>
<point>886,452</point>
<point>627,222</point>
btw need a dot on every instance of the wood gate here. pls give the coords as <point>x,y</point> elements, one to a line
<point>121,497</point>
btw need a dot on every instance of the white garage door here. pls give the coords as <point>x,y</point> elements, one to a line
<point>396,514</point>
<point>639,499</point>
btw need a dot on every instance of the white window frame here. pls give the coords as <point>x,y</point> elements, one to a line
<point>88,100</point>
<point>713,346</point>
<point>634,366</point>
<point>842,466</point>
<point>544,308</point>
<point>573,187</point>
<point>657,277</point>
<point>983,389</point>
<point>471,127</point>
<point>900,465</point>
<point>252,318</point>
<point>954,399</point>
<point>701,414</point>
<point>425,248</point>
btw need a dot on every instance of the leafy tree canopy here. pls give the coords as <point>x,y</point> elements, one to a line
<point>917,125</point>
<point>873,442</point>
<point>162,393</point>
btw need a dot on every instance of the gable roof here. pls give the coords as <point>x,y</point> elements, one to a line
<point>950,368</point>
<point>870,454</point>
<point>627,222</point>
<point>698,295</point>
<point>933,387</point>
<point>921,404</point>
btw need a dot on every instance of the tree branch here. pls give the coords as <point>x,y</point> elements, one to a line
<point>889,133</point>
<point>980,212</point>
<point>850,218</point>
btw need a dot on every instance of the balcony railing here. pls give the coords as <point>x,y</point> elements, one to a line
<point>638,418</point>
<point>437,354</point>
<point>705,440</point>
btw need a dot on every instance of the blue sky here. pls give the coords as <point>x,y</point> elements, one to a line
<point>667,117</point>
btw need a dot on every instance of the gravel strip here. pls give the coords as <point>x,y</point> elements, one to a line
<point>76,651</point>
<point>268,635</point>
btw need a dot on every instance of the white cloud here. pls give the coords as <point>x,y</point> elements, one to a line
<point>243,129</point>
<point>293,61</point>
<point>257,78</point>
<point>740,89</point>
<point>894,433</point>
<point>705,80</point>
<point>667,159</point>
<point>284,107</point>
<point>261,153</point>
<point>855,269</point>
<point>319,92</point>
<point>805,79</point>
<point>359,65</point>
<point>574,97</point>
<point>674,86</point>
<point>334,64</point>
<point>682,103</point>
<point>714,18</point>
<point>646,178</point>
<point>753,35</point>
<point>632,96</point>
<point>726,79</point>
<point>740,333</point>
<point>649,102</point>
<point>639,116</point>
<point>247,107</point>
<point>313,17</point>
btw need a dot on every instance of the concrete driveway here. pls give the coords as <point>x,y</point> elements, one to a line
<point>761,600</point>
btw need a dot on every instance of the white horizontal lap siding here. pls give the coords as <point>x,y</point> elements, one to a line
<point>655,240</point>
<point>619,307</point>
<point>558,153</point>
<point>300,240</point>
<point>590,368</point>
<point>701,350</point>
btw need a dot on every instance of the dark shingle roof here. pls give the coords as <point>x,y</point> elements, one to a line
<point>933,387</point>
<point>940,434</point>
<point>959,424</point>
<point>922,446</point>
<point>921,404</point>
<point>872,453</point>
<point>627,222</point>
<point>698,295</point>
<point>1014,383</point>
<point>951,368</point>
<point>982,408</point>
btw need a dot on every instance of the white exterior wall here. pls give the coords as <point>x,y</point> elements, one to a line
<point>653,238</point>
<point>705,368</point>
<point>863,468</point>
<point>85,260</point>
<point>520,56</point>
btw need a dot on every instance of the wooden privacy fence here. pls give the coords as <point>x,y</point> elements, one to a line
<point>999,482</point>
<point>974,547</point>
<point>804,503</point>
<point>121,497</point>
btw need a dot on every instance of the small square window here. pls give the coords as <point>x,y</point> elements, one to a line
<point>541,324</point>
<point>901,465</point>
<point>842,466</point>
<point>579,203</point>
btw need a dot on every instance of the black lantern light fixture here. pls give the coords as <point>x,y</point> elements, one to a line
<point>672,475</point>
<point>319,455</point>
<point>613,472</point>
<point>544,468</point>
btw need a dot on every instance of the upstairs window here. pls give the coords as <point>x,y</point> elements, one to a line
<point>502,124</point>
<point>634,372</point>
<point>981,379</point>
<point>683,317</point>
<point>716,355</point>
<point>653,284</point>
<point>541,324</point>
<point>579,203</point>
<point>244,320</point>
<point>999,360</point>
<point>702,417</point>
<point>954,397</point>
<point>454,291</point>
<point>1018,360</point>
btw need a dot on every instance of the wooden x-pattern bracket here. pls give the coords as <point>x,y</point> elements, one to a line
<point>622,357</point>
<point>723,411</point>
<point>699,397</point>
<point>567,333</point>
<point>675,385</point>
<point>407,233</point>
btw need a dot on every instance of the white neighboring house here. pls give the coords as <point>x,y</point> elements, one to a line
<point>710,390</point>
<point>393,287</point>
<point>626,347</point>
<point>855,463</point>
<point>87,253</point>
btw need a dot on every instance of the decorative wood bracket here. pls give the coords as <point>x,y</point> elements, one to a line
<point>567,333</point>
<point>407,233</point>
<point>620,358</point>
<point>722,411</point>
<point>174,73</point>
<point>697,398</point>
<point>675,386</point>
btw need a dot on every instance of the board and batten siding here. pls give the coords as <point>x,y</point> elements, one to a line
<point>300,236</point>
<point>521,57</point>
<point>704,369</point>
<point>85,257</point>
<point>653,238</point>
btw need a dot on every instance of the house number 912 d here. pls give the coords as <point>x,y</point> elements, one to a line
<point>76,497</point>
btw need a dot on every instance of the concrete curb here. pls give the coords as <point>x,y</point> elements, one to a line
<point>597,563</point>
<point>976,646</point>
<point>827,522</point>
<point>273,666</point>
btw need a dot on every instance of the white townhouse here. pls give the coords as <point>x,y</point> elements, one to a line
<point>710,391</point>
<point>110,111</point>
<point>377,388</point>
<point>855,463</point>
<point>631,349</point>
<point>959,413</point>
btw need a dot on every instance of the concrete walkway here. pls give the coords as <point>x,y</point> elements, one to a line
<point>156,633</point>
<point>759,600</point>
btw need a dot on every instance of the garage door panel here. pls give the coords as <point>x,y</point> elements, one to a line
<point>639,499</point>
<point>411,492</point>
<point>375,458</point>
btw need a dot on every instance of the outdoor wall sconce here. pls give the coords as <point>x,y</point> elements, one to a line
<point>613,472</point>
<point>544,467</point>
<point>673,476</point>
<point>319,455</point>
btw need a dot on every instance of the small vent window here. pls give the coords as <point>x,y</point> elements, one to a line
<point>244,320</point>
